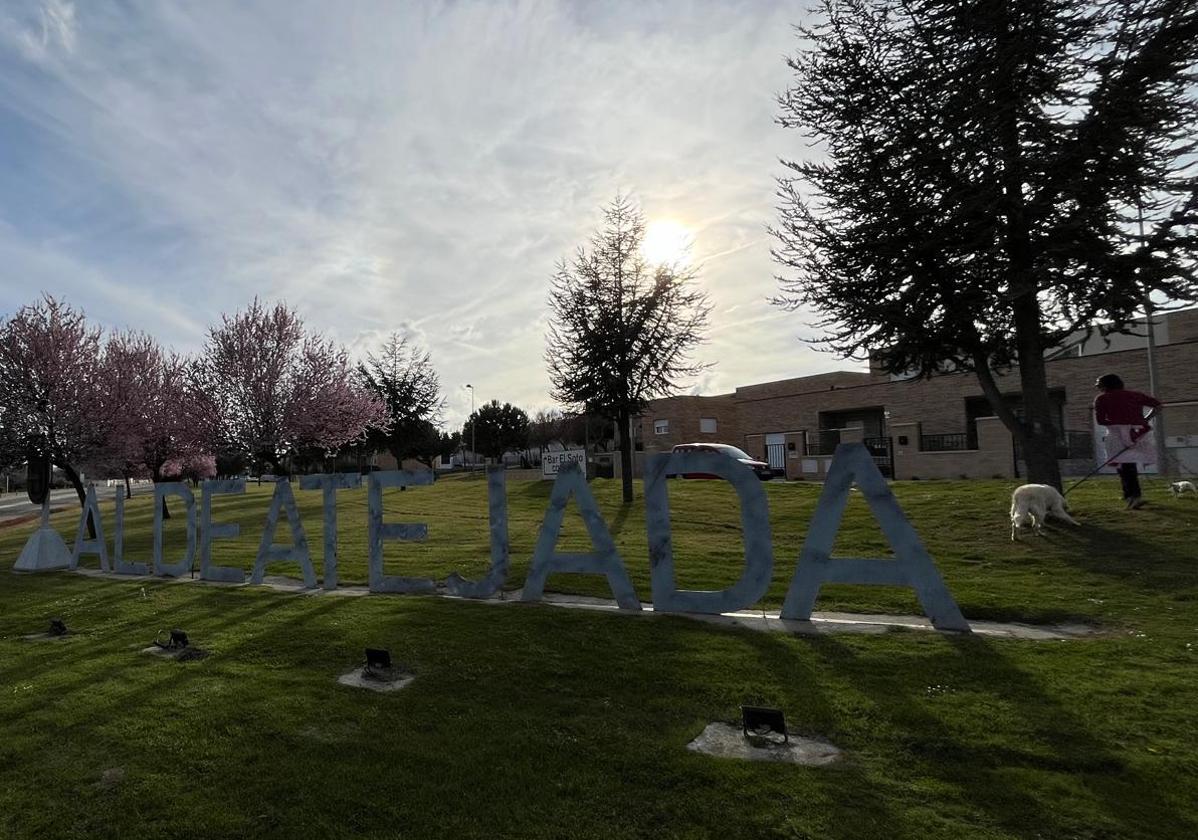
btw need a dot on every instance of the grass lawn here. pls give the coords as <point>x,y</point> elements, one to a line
<point>532,721</point>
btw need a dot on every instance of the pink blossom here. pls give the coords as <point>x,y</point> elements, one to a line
<point>266,388</point>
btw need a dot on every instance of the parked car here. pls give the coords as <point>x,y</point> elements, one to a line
<point>760,468</point>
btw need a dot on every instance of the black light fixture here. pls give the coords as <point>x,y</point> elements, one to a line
<point>759,720</point>
<point>378,661</point>
<point>58,627</point>
<point>177,640</point>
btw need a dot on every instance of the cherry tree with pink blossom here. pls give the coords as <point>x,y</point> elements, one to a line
<point>50,400</point>
<point>193,468</point>
<point>267,388</point>
<point>149,411</point>
<point>130,366</point>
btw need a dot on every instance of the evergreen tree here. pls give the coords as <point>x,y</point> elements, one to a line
<point>621,330</point>
<point>979,173</point>
<point>402,377</point>
<point>496,429</point>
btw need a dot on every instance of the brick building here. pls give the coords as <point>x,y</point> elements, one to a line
<point>940,427</point>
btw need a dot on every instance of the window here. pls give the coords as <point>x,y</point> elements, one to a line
<point>661,427</point>
<point>707,425</point>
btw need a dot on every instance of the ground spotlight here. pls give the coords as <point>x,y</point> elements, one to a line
<point>760,721</point>
<point>176,641</point>
<point>378,662</point>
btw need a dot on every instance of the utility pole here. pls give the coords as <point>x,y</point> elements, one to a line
<point>473,426</point>
<point>1158,426</point>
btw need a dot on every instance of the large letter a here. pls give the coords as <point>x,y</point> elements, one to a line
<point>605,560</point>
<point>911,566</point>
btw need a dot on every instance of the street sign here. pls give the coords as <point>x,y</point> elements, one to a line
<point>551,462</point>
<point>38,483</point>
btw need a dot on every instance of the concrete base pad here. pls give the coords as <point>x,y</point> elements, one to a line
<point>44,551</point>
<point>821,623</point>
<point>357,678</point>
<point>46,637</point>
<point>728,741</point>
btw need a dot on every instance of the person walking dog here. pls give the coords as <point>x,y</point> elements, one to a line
<point>1128,442</point>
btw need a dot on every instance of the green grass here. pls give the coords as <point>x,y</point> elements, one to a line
<point>530,721</point>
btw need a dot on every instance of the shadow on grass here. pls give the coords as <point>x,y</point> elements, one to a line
<point>83,654</point>
<point>617,524</point>
<point>533,490</point>
<point>1058,743</point>
<point>799,682</point>
<point>1155,566</point>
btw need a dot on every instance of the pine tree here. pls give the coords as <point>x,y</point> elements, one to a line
<point>621,330</point>
<point>978,174</point>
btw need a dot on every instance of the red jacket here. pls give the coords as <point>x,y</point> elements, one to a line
<point>1123,407</point>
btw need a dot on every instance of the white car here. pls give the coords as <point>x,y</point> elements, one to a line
<point>760,468</point>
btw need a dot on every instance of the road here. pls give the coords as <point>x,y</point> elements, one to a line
<point>16,503</point>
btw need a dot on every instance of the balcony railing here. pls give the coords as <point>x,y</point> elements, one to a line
<point>954,442</point>
<point>823,442</point>
<point>1072,443</point>
<point>1077,444</point>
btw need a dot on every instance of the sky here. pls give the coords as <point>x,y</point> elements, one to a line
<point>411,166</point>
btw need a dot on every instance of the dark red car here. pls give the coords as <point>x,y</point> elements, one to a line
<point>760,468</point>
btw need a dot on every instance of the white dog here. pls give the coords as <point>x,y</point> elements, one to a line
<point>1031,504</point>
<point>1179,487</point>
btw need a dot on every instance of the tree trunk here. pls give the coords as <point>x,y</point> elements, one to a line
<point>1040,447</point>
<point>157,477</point>
<point>77,483</point>
<point>1039,439</point>
<point>622,419</point>
<point>128,488</point>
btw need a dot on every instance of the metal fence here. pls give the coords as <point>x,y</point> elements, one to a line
<point>944,443</point>
<point>1077,444</point>
<point>882,452</point>
<point>823,442</point>
<point>775,456</point>
<point>1071,444</point>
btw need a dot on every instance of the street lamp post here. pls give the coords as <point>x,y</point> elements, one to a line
<point>1158,431</point>
<point>473,424</point>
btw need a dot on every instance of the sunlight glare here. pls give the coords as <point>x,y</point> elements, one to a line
<point>667,242</point>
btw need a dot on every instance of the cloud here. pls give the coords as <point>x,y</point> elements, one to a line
<point>415,166</point>
<point>41,30</point>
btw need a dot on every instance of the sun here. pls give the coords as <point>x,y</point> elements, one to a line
<point>667,242</point>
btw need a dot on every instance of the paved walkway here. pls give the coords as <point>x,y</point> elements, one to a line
<point>16,508</point>
<point>821,623</point>
<point>16,504</point>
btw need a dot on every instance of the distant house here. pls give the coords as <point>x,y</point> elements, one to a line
<point>940,427</point>
<point>386,461</point>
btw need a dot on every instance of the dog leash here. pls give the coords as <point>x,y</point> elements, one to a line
<point>1094,471</point>
<point>1110,460</point>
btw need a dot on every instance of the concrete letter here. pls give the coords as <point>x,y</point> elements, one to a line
<point>161,491</point>
<point>96,546</point>
<point>330,483</point>
<point>911,566</point>
<point>500,548</point>
<point>210,531</point>
<point>754,522</point>
<point>380,530</point>
<point>297,552</point>
<point>118,542</point>
<point>604,560</point>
